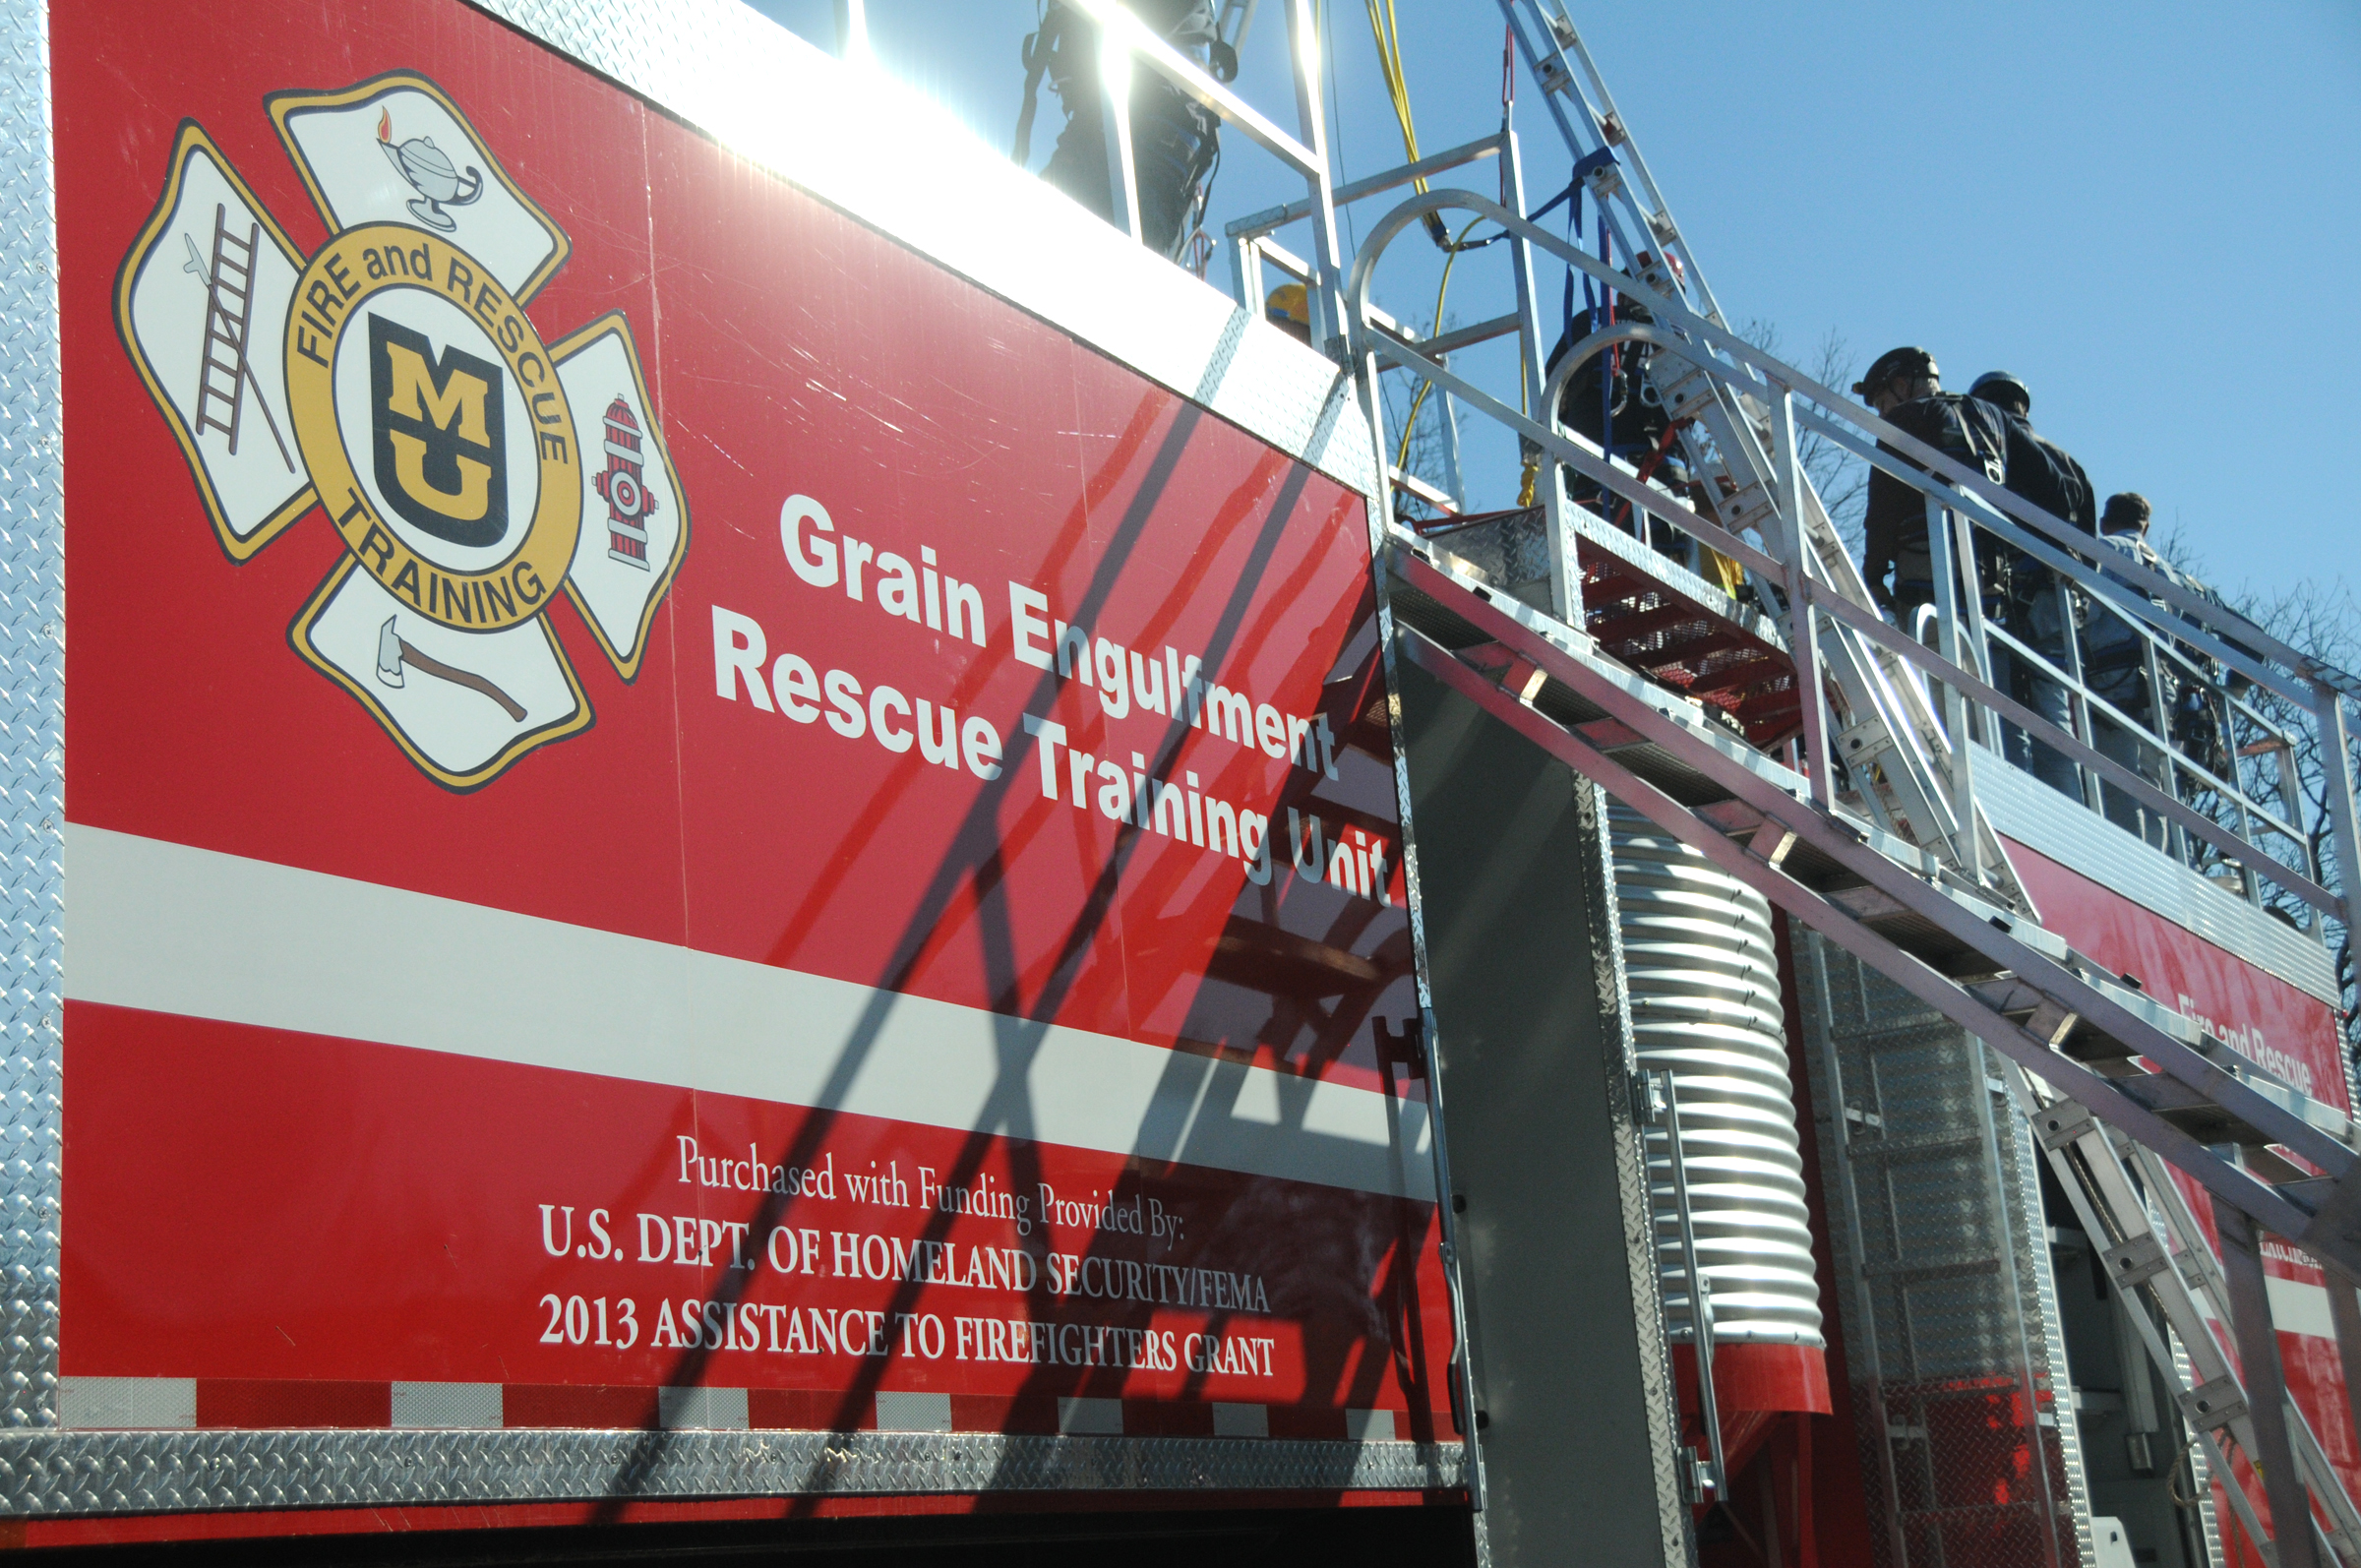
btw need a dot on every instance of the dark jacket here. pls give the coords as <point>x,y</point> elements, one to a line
<point>1637,422</point>
<point>2044,473</point>
<point>1963,429</point>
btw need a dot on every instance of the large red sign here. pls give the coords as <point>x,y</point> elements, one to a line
<point>676,814</point>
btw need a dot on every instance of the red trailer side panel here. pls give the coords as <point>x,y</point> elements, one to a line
<point>678,816</point>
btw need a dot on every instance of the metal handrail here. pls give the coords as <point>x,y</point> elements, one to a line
<point>1701,1289</point>
<point>1578,453</point>
<point>2008,514</point>
<point>1249,239</point>
<point>2043,668</point>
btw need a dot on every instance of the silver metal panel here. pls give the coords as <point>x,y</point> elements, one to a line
<point>915,1413</point>
<point>1950,1321</point>
<point>1241,1420</point>
<point>150,1404</point>
<point>165,1473</point>
<point>435,1405</point>
<point>1555,1236</point>
<point>1086,1416</point>
<point>2039,818</point>
<point>903,165</point>
<point>32,643</point>
<point>716,1409</point>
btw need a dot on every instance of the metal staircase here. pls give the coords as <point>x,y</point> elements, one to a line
<point>1886,735</point>
<point>2002,978</point>
<point>1868,829</point>
<point>1817,753</point>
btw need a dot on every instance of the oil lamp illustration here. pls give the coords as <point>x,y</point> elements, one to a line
<point>427,170</point>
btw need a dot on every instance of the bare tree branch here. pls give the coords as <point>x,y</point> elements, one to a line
<point>2324,620</point>
<point>1841,478</point>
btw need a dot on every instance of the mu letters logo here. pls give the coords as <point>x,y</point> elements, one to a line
<point>436,426</point>
<point>394,381</point>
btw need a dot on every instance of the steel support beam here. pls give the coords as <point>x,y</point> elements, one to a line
<point>2113,1099</point>
<point>2266,1382</point>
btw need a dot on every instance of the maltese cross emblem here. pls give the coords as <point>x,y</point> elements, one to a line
<point>395,382</point>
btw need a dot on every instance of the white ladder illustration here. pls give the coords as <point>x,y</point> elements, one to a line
<point>223,371</point>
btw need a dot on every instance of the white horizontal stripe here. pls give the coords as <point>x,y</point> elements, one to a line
<point>2096,850</point>
<point>127,1404</point>
<point>2296,1307</point>
<point>169,928</point>
<point>2299,1309</point>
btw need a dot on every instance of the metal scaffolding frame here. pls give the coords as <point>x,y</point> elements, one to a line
<point>1864,824</point>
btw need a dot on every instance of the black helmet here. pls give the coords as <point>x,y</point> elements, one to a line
<point>2000,381</point>
<point>1895,363</point>
<point>2127,513</point>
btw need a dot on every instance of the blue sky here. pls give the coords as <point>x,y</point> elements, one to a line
<point>2149,212</point>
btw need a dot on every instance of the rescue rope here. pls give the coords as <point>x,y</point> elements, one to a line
<point>1450,255</point>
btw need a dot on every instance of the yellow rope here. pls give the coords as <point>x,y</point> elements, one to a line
<point>1388,33</point>
<point>1424,386</point>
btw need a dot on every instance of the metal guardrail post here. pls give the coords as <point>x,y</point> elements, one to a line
<point>1326,290</point>
<point>2266,1385</point>
<point>2337,768</point>
<point>1805,648</point>
<point>2344,1312</point>
<point>2078,717</point>
<point>1565,570</point>
<point>852,30</point>
<point>1114,108</point>
<point>1701,1306</point>
<point>1246,272</point>
<point>2176,837</point>
<point>1958,716</point>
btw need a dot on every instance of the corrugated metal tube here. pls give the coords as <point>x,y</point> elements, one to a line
<point>1704,1003</point>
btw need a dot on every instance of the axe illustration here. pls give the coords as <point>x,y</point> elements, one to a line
<point>393,654</point>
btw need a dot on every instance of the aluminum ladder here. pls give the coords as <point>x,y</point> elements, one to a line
<point>1888,738</point>
<point>2150,1244</point>
<point>2004,979</point>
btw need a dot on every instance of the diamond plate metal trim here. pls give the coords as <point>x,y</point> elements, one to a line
<point>169,1473</point>
<point>1674,1518</point>
<point>771,98</point>
<point>32,637</point>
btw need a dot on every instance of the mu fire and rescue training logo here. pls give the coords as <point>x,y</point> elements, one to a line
<point>394,381</point>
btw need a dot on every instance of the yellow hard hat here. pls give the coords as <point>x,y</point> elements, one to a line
<point>1289,302</point>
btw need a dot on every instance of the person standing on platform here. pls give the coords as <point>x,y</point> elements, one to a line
<point>2117,670</point>
<point>1174,140</point>
<point>1906,389</point>
<point>2036,608</point>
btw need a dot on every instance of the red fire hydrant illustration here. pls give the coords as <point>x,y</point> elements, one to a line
<point>628,501</point>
